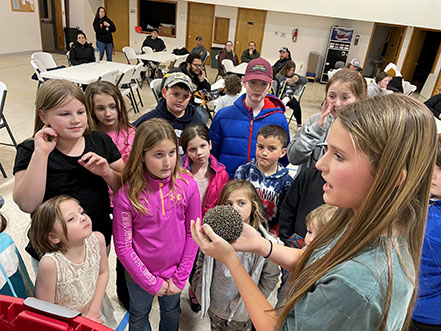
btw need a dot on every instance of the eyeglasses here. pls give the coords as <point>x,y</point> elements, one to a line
<point>197,65</point>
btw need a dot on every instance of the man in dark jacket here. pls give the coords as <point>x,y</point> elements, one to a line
<point>192,67</point>
<point>284,56</point>
<point>175,106</point>
<point>154,42</point>
<point>250,53</point>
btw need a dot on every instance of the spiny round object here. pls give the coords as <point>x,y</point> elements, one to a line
<point>225,222</point>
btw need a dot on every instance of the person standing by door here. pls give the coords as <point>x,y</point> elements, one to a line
<point>104,28</point>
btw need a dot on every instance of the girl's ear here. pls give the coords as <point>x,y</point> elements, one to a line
<point>209,144</point>
<point>402,178</point>
<point>54,238</point>
<point>43,116</point>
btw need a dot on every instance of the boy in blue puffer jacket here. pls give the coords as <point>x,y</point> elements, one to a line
<point>234,129</point>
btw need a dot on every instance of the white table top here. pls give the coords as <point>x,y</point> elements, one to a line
<point>161,57</point>
<point>85,73</point>
<point>240,69</point>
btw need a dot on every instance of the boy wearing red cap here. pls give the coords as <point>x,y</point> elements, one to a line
<point>234,129</point>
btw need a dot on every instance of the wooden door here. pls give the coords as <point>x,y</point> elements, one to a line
<point>59,24</point>
<point>249,27</point>
<point>118,12</point>
<point>200,18</point>
<point>394,46</point>
<point>413,53</point>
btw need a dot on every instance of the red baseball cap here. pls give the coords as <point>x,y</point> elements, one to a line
<point>259,69</point>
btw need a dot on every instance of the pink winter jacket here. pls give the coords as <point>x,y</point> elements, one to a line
<point>157,246</point>
<point>218,179</point>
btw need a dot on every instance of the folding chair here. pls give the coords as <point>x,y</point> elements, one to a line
<point>179,60</point>
<point>299,94</point>
<point>228,66</point>
<point>68,58</point>
<point>46,59</point>
<point>126,88</point>
<point>109,76</point>
<point>38,68</point>
<point>155,85</point>
<point>203,63</point>
<point>4,123</point>
<point>130,55</point>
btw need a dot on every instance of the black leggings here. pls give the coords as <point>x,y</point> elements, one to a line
<point>295,106</point>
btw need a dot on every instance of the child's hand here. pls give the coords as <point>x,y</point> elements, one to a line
<point>163,290</point>
<point>45,139</point>
<point>94,317</point>
<point>326,110</point>
<point>210,243</point>
<point>172,288</point>
<point>95,164</point>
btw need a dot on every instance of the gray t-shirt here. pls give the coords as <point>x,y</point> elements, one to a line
<point>350,296</point>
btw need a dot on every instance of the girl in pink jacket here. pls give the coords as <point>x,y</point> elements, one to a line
<point>151,227</point>
<point>209,174</point>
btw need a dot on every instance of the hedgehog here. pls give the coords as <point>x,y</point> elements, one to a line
<point>225,222</point>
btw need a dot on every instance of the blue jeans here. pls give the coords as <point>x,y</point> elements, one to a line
<point>108,47</point>
<point>141,304</point>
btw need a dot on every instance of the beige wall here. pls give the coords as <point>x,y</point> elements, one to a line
<point>406,12</point>
<point>82,14</point>
<point>20,31</point>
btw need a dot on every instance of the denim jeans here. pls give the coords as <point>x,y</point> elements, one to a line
<point>141,304</point>
<point>108,47</point>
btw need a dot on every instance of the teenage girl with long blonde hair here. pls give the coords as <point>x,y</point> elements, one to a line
<point>360,273</point>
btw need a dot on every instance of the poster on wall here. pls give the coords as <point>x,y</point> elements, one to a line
<point>342,34</point>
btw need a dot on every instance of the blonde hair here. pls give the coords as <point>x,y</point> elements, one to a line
<point>148,134</point>
<point>256,217</point>
<point>55,93</point>
<point>320,216</point>
<point>42,223</point>
<point>103,87</point>
<point>398,134</point>
<point>353,80</point>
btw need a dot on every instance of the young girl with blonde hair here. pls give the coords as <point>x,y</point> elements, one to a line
<point>106,104</point>
<point>73,271</point>
<point>212,283</point>
<point>151,224</point>
<point>65,156</point>
<point>360,273</point>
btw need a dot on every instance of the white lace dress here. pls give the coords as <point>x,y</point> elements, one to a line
<point>76,283</point>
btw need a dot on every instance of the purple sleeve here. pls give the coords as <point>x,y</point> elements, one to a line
<point>122,236</point>
<point>193,211</point>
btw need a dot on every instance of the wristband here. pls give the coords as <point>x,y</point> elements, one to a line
<point>271,249</point>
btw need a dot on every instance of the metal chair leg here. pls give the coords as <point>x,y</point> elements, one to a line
<point>3,170</point>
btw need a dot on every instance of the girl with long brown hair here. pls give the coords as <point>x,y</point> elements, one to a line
<point>151,224</point>
<point>360,272</point>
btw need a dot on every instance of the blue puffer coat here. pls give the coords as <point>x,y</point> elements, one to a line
<point>234,131</point>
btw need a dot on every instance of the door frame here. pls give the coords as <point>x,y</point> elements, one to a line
<point>412,40</point>
<point>372,37</point>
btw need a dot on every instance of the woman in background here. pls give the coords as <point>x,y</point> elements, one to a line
<point>104,28</point>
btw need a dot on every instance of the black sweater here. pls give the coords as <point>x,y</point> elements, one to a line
<point>304,195</point>
<point>80,54</point>
<point>103,33</point>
